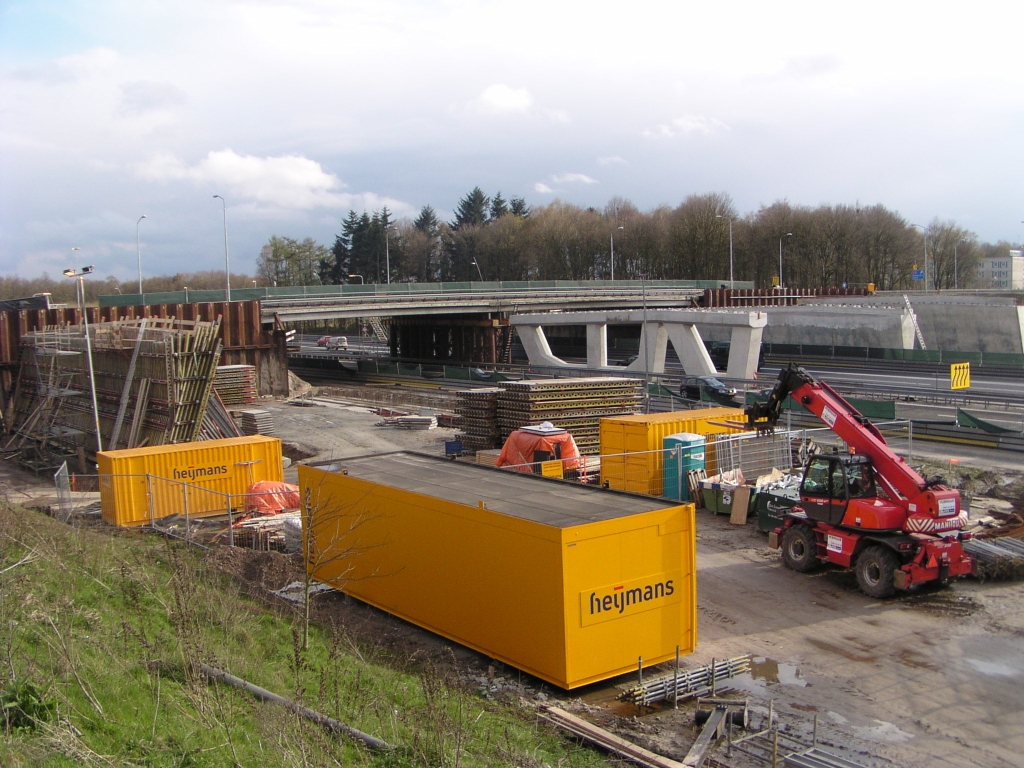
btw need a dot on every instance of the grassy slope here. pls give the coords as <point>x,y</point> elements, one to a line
<point>113,629</point>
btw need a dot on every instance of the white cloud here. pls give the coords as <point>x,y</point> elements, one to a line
<point>146,96</point>
<point>542,188</point>
<point>573,178</point>
<point>503,99</point>
<point>558,116</point>
<point>686,125</point>
<point>288,181</point>
<point>612,160</point>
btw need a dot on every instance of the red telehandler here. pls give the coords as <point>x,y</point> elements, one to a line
<point>866,509</point>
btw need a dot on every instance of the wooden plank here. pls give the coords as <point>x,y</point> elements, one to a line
<point>606,739</point>
<point>740,505</point>
<point>706,739</point>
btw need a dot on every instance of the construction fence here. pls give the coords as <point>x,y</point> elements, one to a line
<point>188,512</point>
<point>662,473</point>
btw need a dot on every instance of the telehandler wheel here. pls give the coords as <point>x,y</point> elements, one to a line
<point>876,570</point>
<point>800,548</point>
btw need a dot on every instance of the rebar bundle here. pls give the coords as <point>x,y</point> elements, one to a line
<point>1001,558</point>
<point>686,683</point>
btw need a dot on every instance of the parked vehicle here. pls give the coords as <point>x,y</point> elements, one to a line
<point>693,386</point>
<point>338,342</point>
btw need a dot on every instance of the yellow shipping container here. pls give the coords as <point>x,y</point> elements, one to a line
<point>644,435</point>
<point>199,478</point>
<point>569,583</point>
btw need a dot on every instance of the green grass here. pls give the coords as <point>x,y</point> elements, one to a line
<point>111,630</point>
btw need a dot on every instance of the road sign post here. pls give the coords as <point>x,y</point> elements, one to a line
<point>960,376</point>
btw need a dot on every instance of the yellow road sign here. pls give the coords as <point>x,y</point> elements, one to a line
<point>960,376</point>
<point>775,280</point>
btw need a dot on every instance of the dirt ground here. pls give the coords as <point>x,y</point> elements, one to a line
<point>934,678</point>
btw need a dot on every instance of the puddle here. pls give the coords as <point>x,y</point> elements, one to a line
<point>844,652</point>
<point>765,671</point>
<point>835,717</point>
<point>883,732</point>
<point>993,668</point>
<point>940,601</point>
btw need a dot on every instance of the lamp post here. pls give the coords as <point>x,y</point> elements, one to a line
<point>227,266</point>
<point>924,234</point>
<point>612,240</point>
<point>788,234</point>
<point>387,252</point>
<point>720,216</point>
<point>79,275</point>
<point>138,250</point>
<point>955,270</point>
<point>361,281</point>
<point>481,274</point>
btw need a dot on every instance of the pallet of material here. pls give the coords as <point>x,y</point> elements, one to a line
<point>236,384</point>
<point>489,458</point>
<point>255,421</point>
<point>409,422</point>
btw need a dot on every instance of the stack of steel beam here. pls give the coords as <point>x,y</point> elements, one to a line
<point>1001,558</point>
<point>576,405</point>
<point>236,384</point>
<point>478,418</point>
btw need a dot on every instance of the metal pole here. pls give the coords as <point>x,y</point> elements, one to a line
<point>612,240</point>
<point>227,266</point>
<point>138,250</point>
<point>675,681</point>
<point>184,495</point>
<point>720,216</point>
<point>92,374</point>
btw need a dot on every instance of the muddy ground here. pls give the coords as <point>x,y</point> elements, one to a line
<point>934,678</point>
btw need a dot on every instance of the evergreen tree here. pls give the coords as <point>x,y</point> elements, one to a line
<point>498,207</point>
<point>517,206</point>
<point>427,221</point>
<point>472,209</point>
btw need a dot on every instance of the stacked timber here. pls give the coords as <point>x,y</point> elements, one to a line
<point>255,421</point>
<point>489,457</point>
<point>576,405</point>
<point>478,418</point>
<point>236,384</point>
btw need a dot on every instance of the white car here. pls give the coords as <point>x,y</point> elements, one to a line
<point>338,342</point>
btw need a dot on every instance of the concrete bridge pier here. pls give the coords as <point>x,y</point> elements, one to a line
<point>658,327</point>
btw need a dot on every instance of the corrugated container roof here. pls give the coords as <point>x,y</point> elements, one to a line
<point>721,412</point>
<point>529,497</point>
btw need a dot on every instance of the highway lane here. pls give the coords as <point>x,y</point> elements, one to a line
<point>896,382</point>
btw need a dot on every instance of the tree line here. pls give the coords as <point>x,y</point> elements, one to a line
<point>491,238</point>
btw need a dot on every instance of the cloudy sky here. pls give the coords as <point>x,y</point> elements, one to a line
<point>297,111</point>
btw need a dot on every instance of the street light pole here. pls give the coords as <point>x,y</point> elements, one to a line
<point>719,216</point>
<point>387,252</point>
<point>788,234</point>
<point>227,266</point>
<point>361,281</point>
<point>955,270</point>
<point>80,276</point>
<point>924,235</point>
<point>481,274</point>
<point>612,240</point>
<point>138,250</point>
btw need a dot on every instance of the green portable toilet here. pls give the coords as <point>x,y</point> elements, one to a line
<point>684,451</point>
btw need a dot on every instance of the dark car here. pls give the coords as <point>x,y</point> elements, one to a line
<point>694,385</point>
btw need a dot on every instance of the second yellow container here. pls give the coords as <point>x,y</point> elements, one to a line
<point>139,485</point>
<point>631,446</point>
